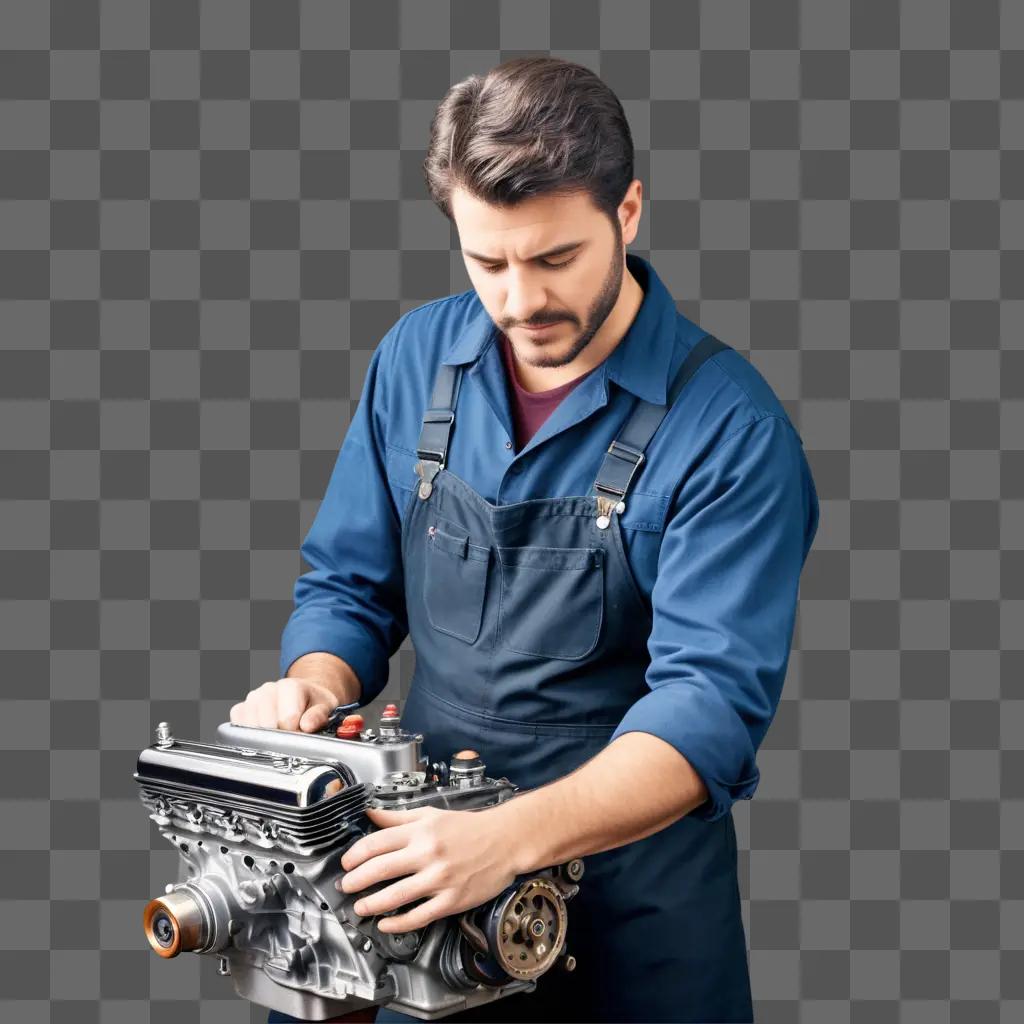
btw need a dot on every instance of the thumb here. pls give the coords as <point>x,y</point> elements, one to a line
<point>315,717</point>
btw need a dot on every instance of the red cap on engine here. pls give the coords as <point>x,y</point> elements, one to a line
<point>390,711</point>
<point>350,728</point>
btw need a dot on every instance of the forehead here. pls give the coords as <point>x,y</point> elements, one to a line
<point>540,219</point>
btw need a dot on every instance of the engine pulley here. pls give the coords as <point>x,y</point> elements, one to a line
<point>526,930</point>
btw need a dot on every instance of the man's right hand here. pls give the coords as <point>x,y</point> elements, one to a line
<point>296,704</point>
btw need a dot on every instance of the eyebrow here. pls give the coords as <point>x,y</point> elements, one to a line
<point>556,251</point>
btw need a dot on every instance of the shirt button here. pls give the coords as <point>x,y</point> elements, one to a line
<point>508,444</point>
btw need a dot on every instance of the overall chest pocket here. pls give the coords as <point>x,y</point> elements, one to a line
<point>454,581</point>
<point>552,601</point>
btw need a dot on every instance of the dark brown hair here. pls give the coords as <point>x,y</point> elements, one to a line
<point>530,126</point>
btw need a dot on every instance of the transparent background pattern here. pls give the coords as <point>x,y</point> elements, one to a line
<point>211,212</point>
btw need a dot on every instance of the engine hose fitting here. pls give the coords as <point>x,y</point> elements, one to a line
<point>175,924</point>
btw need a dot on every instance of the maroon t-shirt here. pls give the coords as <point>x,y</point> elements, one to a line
<point>531,408</point>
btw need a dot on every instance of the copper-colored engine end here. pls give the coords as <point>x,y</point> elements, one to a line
<point>173,923</point>
<point>465,755</point>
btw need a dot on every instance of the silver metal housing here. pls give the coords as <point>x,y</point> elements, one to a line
<point>261,820</point>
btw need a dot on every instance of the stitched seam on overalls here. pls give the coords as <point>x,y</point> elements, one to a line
<point>500,633</point>
<point>475,716</point>
<point>432,551</point>
<point>529,504</point>
<point>627,571</point>
<point>444,479</point>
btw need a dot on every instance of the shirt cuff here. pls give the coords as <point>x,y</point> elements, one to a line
<point>708,733</point>
<point>316,629</point>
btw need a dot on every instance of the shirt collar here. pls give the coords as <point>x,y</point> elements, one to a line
<point>639,363</point>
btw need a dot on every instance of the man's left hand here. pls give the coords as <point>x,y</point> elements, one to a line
<point>458,859</point>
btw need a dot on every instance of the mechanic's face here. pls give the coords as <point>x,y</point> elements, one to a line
<point>549,260</point>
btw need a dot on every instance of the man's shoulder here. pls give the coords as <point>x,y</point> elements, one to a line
<point>427,332</point>
<point>724,396</point>
<point>410,354</point>
<point>745,384</point>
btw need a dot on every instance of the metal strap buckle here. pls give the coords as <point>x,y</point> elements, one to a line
<point>435,416</point>
<point>627,454</point>
<point>439,415</point>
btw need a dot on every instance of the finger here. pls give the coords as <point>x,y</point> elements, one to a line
<point>246,712</point>
<point>314,718</point>
<point>387,818</point>
<point>241,714</point>
<point>291,702</point>
<point>379,869</point>
<point>418,917</point>
<point>265,707</point>
<point>405,890</point>
<point>373,845</point>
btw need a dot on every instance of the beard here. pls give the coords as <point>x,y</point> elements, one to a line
<point>603,304</point>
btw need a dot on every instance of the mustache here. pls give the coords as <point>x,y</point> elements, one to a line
<point>543,323</point>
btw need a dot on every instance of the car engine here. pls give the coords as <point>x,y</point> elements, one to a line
<point>261,820</point>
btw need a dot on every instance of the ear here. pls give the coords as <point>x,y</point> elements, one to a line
<point>630,210</point>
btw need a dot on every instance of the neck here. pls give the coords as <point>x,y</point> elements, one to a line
<point>604,342</point>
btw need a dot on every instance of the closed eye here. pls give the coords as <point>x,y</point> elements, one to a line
<point>494,268</point>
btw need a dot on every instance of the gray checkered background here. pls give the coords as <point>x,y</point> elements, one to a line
<point>211,213</point>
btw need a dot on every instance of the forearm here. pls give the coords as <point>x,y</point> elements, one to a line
<point>330,670</point>
<point>636,786</point>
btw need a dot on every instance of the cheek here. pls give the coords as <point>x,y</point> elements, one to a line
<point>489,296</point>
<point>484,287</point>
<point>579,288</point>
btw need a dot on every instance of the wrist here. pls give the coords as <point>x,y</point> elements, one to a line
<point>331,671</point>
<point>517,820</point>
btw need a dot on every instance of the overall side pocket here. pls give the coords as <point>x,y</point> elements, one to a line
<point>454,582</point>
<point>552,601</point>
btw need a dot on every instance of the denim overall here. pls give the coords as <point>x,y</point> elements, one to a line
<point>531,636</point>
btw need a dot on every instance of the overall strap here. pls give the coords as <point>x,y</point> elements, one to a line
<point>626,453</point>
<point>436,431</point>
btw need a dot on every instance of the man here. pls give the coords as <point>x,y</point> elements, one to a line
<point>611,632</point>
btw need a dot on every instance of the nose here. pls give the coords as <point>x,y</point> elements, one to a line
<point>526,297</point>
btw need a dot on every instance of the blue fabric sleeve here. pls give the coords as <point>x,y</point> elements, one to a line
<point>724,606</point>
<point>352,603</point>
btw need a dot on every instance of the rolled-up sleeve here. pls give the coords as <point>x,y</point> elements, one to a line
<point>724,606</point>
<point>351,603</point>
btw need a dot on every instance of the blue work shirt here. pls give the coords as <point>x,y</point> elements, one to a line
<point>716,529</point>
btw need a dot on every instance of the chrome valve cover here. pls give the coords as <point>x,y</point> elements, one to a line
<point>261,820</point>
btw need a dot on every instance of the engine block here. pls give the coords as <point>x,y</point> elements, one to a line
<point>261,820</point>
